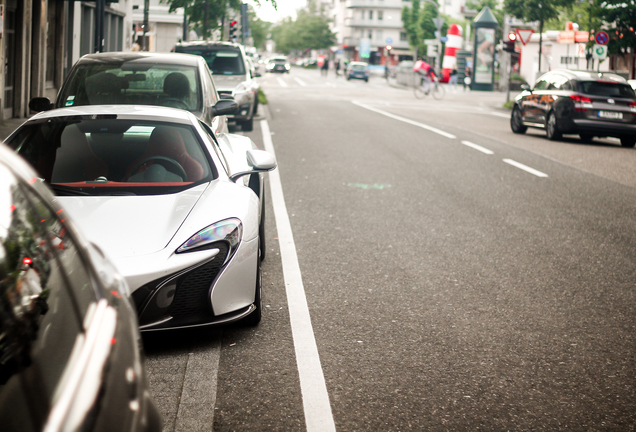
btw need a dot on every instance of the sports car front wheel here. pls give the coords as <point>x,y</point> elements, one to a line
<point>516,121</point>
<point>552,128</point>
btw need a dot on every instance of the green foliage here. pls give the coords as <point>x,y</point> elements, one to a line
<point>262,99</point>
<point>308,31</point>
<point>204,16</point>
<point>619,18</point>
<point>259,29</point>
<point>495,8</point>
<point>536,10</point>
<point>418,24</point>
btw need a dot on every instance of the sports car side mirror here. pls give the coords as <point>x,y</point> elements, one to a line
<point>259,160</point>
<point>225,107</point>
<point>39,104</point>
<point>525,87</point>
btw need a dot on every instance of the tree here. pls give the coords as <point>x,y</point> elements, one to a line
<point>308,31</point>
<point>259,29</point>
<point>536,10</point>
<point>619,21</point>
<point>418,24</point>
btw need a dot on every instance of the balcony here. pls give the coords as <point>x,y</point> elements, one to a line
<point>374,24</point>
<point>355,42</point>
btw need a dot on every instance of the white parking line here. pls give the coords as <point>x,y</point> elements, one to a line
<point>300,82</point>
<point>281,82</point>
<point>405,120</point>
<point>318,415</point>
<point>525,168</point>
<point>478,147</point>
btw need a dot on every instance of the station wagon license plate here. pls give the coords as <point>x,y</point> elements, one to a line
<point>610,115</point>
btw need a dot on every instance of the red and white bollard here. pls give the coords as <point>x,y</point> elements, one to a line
<point>453,44</point>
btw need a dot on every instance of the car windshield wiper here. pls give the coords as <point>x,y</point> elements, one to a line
<point>67,190</point>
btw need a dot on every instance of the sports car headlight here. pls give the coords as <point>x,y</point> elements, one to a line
<point>229,230</point>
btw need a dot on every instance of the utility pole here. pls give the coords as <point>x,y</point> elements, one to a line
<point>145,25</point>
<point>100,5</point>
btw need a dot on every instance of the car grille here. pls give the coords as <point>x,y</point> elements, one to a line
<point>192,296</point>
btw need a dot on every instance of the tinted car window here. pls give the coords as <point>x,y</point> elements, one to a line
<point>112,156</point>
<point>40,319</point>
<point>542,84</point>
<point>603,88</point>
<point>557,82</point>
<point>137,83</point>
<point>220,60</point>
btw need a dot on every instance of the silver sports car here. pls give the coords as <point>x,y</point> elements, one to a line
<point>178,209</point>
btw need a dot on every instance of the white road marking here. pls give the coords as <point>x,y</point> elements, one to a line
<point>281,82</point>
<point>478,147</point>
<point>525,168</point>
<point>405,120</point>
<point>300,82</point>
<point>318,415</point>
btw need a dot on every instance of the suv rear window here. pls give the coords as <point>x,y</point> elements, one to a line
<point>221,60</point>
<point>606,88</point>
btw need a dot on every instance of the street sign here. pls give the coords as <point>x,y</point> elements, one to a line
<point>439,22</point>
<point>389,41</point>
<point>524,34</point>
<point>443,39</point>
<point>599,52</point>
<point>431,51</point>
<point>601,38</point>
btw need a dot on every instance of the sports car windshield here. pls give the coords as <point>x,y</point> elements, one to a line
<point>133,83</point>
<point>602,88</point>
<point>82,155</point>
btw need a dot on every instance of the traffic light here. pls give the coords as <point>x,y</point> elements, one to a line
<point>233,25</point>
<point>509,45</point>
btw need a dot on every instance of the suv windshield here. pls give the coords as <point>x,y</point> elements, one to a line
<point>132,83</point>
<point>82,155</point>
<point>603,88</point>
<point>221,60</point>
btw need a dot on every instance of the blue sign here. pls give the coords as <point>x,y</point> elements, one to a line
<point>443,39</point>
<point>389,41</point>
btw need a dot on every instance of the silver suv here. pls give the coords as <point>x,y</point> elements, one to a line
<point>232,74</point>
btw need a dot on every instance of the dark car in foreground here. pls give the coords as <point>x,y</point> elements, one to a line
<point>163,79</point>
<point>586,103</point>
<point>70,355</point>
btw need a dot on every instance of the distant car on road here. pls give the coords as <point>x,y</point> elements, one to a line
<point>232,75</point>
<point>69,342</point>
<point>278,64</point>
<point>586,103</point>
<point>358,70</point>
<point>141,78</point>
<point>179,210</point>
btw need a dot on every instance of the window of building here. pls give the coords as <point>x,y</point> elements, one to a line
<point>403,36</point>
<point>380,15</point>
<point>370,14</point>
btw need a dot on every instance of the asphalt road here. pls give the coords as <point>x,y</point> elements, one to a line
<point>457,276</point>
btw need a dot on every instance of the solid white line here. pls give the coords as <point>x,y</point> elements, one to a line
<point>405,120</point>
<point>318,415</point>
<point>525,168</point>
<point>300,82</point>
<point>478,147</point>
<point>281,82</point>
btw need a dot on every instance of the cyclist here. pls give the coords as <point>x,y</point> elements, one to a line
<point>426,71</point>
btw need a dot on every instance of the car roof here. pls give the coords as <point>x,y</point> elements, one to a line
<point>208,43</point>
<point>585,75</point>
<point>140,57</point>
<point>145,112</point>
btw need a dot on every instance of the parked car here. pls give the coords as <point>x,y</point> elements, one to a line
<point>586,103</point>
<point>358,70</point>
<point>69,341</point>
<point>278,64</point>
<point>179,210</point>
<point>141,78</point>
<point>232,75</point>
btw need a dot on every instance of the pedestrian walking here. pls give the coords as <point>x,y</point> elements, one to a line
<point>337,67</point>
<point>325,67</point>
<point>467,77</point>
<point>452,81</point>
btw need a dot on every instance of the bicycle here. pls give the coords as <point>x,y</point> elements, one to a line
<point>427,86</point>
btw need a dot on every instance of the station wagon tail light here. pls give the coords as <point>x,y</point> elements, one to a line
<point>632,107</point>
<point>581,103</point>
<point>229,230</point>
